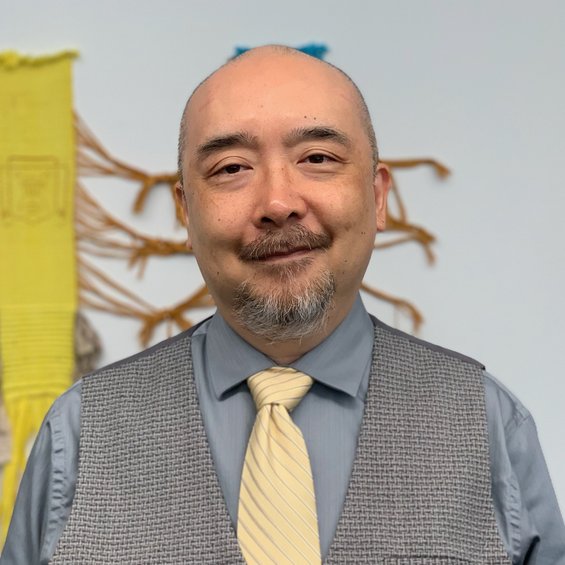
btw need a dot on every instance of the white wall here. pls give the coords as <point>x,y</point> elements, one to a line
<point>479,85</point>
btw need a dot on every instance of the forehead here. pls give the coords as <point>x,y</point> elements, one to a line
<point>267,93</point>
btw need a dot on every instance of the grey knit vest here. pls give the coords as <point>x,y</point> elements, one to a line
<point>419,491</point>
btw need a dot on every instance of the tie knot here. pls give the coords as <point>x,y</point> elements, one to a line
<point>279,385</point>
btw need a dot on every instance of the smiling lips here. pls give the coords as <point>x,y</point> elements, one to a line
<point>291,242</point>
<point>288,253</point>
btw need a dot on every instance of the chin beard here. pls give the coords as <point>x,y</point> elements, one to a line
<point>289,311</point>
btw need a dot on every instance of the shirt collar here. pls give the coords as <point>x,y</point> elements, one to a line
<point>340,361</point>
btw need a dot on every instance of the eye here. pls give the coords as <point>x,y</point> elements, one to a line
<point>318,158</point>
<point>232,169</point>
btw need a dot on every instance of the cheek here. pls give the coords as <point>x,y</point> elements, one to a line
<point>353,217</point>
<point>354,230</point>
<point>214,223</point>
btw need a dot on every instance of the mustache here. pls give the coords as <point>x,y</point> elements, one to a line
<point>296,237</point>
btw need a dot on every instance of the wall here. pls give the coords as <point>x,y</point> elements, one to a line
<point>479,85</point>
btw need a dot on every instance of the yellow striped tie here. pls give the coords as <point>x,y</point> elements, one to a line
<point>277,520</point>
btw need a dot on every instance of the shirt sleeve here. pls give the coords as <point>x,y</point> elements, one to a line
<point>47,488</point>
<point>544,544</point>
<point>526,507</point>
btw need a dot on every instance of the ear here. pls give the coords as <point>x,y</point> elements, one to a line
<point>381,185</point>
<point>180,199</point>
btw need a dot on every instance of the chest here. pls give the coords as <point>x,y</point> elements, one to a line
<point>419,491</point>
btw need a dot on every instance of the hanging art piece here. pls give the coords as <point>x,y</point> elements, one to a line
<point>49,254</point>
<point>38,282</point>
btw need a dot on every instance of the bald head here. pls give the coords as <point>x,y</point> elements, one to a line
<point>282,195</point>
<point>272,54</point>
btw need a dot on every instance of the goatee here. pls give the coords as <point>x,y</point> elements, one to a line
<point>288,310</point>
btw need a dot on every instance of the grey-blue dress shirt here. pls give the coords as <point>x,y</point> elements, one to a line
<point>527,513</point>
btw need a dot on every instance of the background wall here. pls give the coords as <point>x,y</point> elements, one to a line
<point>479,85</point>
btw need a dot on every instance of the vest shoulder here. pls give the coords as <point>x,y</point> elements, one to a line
<point>151,356</point>
<point>420,343</point>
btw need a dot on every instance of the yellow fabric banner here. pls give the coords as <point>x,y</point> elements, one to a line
<point>38,280</point>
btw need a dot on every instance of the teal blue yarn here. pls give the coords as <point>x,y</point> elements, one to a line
<point>317,50</point>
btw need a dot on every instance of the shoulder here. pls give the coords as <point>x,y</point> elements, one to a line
<point>139,386</point>
<point>155,354</point>
<point>63,417</point>
<point>504,409</point>
<point>147,368</point>
<point>415,343</point>
<point>64,414</point>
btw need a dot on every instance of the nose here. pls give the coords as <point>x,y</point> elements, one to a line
<point>281,200</point>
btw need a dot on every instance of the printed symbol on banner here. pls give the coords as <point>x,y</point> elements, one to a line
<point>34,189</point>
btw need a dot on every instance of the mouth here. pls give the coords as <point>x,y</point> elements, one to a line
<point>285,254</point>
<point>294,243</point>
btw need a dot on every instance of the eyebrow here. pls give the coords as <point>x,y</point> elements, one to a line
<point>296,136</point>
<point>237,139</point>
<point>328,133</point>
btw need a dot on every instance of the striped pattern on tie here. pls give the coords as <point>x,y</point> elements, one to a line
<point>277,520</point>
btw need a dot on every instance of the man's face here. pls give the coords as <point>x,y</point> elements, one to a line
<point>280,192</point>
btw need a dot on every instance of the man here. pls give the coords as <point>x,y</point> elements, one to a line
<point>407,453</point>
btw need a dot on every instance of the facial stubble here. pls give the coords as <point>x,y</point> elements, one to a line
<point>283,302</point>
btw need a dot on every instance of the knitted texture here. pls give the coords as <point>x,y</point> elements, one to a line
<point>38,272</point>
<point>147,491</point>
<point>420,489</point>
<point>419,493</point>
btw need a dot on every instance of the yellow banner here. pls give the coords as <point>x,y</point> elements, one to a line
<point>38,280</point>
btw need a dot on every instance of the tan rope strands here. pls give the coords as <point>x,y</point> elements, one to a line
<point>94,160</point>
<point>95,227</point>
<point>397,221</point>
<point>100,292</point>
